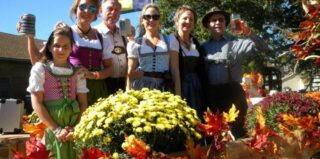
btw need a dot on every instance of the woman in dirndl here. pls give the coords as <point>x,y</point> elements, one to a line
<point>150,64</point>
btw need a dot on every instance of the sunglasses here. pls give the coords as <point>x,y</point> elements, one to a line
<point>150,16</point>
<point>91,8</point>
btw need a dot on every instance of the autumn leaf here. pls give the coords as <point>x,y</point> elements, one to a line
<point>274,148</point>
<point>215,124</point>
<point>289,119</point>
<point>259,141</point>
<point>35,129</point>
<point>232,115</point>
<point>92,153</point>
<point>293,35</point>
<point>17,154</point>
<point>285,130</point>
<point>135,147</point>
<point>308,123</point>
<point>35,149</point>
<point>260,119</point>
<point>195,152</point>
<point>306,24</point>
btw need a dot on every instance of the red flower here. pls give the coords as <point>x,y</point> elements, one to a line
<point>34,150</point>
<point>215,124</point>
<point>92,153</point>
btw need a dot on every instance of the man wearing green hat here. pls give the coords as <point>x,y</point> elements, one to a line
<point>224,57</point>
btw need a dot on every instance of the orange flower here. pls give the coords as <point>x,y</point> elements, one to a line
<point>314,95</point>
<point>35,129</point>
<point>136,147</point>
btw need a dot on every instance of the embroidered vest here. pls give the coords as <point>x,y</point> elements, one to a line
<point>58,87</point>
<point>89,58</point>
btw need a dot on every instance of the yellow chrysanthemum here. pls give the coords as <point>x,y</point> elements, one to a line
<point>142,112</point>
<point>106,140</point>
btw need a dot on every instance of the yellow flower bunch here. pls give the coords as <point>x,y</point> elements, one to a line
<point>154,116</point>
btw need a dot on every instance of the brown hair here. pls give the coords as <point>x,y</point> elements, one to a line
<point>75,5</point>
<point>60,31</point>
<point>144,9</point>
<point>183,9</point>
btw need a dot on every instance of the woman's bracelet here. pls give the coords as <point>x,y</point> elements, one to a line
<point>97,75</point>
<point>57,130</point>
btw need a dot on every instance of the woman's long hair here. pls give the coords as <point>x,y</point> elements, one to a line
<point>144,9</point>
<point>61,31</point>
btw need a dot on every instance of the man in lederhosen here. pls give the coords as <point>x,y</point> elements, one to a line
<point>110,11</point>
<point>223,59</point>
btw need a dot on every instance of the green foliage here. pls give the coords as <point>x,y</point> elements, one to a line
<point>266,17</point>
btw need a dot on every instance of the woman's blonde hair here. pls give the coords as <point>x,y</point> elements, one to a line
<point>143,11</point>
<point>183,9</point>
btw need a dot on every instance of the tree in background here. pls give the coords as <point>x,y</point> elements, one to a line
<point>306,47</point>
<point>268,18</point>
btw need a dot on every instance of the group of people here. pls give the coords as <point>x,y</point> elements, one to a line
<point>80,64</point>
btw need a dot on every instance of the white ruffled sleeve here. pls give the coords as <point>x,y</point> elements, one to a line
<point>132,48</point>
<point>36,79</point>
<point>82,84</point>
<point>174,44</point>
<point>107,48</point>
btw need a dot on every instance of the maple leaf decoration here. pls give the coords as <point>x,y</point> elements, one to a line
<point>35,129</point>
<point>216,128</point>
<point>213,123</point>
<point>136,147</point>
<point>232,115</point>
<point>34,150</point>
<point>17,154</point>
<point>93,153</point>
<point>260,140</point>
<point>307,40</point>
<point>308,124</point>
<point>195,152</point>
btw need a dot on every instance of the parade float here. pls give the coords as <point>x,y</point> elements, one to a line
<point>152,124</point>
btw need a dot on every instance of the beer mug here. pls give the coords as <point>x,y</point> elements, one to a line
<point>125,27</point>
<point>27,25</point>
<point>236,25</point>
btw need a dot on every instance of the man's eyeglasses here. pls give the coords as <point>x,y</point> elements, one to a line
<point>219,19</point>
<point>150,16</point>
<point>91,8</point>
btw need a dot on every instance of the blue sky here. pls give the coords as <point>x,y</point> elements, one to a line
<point>47,13</point>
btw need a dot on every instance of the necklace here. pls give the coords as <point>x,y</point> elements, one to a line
<point>187,43</point>
<point>84,33</point>
<point>152,43</point>
<point>185,39</point>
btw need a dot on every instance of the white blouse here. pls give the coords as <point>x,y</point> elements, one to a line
<point>133,48</point>
<point>37,77</point>
<point>174,46</point>
<point>147,61</point>
<point>95,43</point>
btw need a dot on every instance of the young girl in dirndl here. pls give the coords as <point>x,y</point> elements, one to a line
<point>58,94</point>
